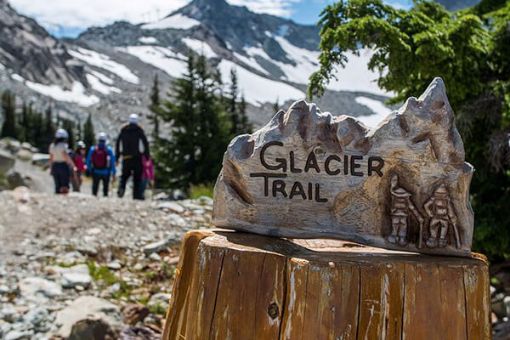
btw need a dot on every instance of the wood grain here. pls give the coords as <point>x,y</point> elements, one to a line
<point>231,285</point>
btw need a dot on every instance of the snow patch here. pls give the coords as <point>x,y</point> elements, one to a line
<point>148,40</point>
<point>105,79</point>
<point>177,21</point>
<point>102,61</point>
<point>75,95</point>
<point>200,47</point>
<point>257,89</point>
<point>17,77</point>
<point>251,62</point>
<point>174,64</point>
<point>100,87</point>
<point>380,110</point>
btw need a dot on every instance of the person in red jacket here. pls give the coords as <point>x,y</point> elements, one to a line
<point>79,157</point>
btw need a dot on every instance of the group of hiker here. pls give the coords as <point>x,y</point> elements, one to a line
<point>100,162</point>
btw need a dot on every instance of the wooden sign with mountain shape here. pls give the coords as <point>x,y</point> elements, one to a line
<point>307,174</point>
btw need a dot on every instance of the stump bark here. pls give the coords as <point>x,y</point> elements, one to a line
<point>232,285</point>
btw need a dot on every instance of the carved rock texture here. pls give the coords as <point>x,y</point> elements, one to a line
<point>344,173</point>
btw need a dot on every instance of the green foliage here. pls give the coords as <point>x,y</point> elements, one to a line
<point>89,136</point>
<point>199,135</point>
<point>236,108</point>
<point>199,190</point>
<point>105,278</point>
<point>470,50</point>
<point>155,107</point>
<point>9,128</point>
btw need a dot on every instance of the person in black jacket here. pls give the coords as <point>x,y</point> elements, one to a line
<point>131,144</point>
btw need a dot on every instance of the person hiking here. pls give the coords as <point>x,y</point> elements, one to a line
<point>61,165</point>
<point>101,164</point>
<point>147,173</point>
<point>131,145</point>
<point>79,159</point>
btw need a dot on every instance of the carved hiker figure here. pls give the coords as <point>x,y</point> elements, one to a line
<point>401,205</point>
<point>441,212</point>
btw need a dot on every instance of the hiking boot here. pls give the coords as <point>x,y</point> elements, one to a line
<point>431,243</point>
<point>392,239</point>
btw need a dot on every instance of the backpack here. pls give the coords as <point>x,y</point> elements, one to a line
<point>100,158</point>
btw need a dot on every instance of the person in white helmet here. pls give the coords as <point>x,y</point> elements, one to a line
<point>131,145</point>
<point>101,164</point>
<point>61,165</point>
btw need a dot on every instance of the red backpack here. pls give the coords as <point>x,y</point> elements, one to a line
<point>99,158</point>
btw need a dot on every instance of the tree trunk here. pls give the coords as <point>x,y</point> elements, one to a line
<point>232,285</point>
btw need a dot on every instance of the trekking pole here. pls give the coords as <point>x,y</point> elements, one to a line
<point>456,233</point>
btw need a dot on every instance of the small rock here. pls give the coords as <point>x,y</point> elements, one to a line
<point>172,206</point>
<point>506,302</point>
<point>155,257</point>
<point>39,318</point>
<point>156,247</point>
<point>75,276</point>
<point>114,265</point>
<point>71,258</point>
<point>177,220</point>
<point>36,286</point>
<point>9,313</point>
<point>19,335</point>
<point>92,329</point>
<point>134,313</point>
<point>139,333</point>
<point>159,299</point>
<point>86,307</point>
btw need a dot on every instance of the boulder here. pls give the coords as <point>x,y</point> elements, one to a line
<point>11,144</point>
<point>6,161</point>
<point>24,155</point>
<point>41,159</point>
<point>15,180</point>
<point>307,174</point>
<point>87,308</point>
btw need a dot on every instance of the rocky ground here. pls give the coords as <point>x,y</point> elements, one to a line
<point>76,266</point>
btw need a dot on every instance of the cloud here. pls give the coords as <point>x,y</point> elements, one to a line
<point>86,13</point>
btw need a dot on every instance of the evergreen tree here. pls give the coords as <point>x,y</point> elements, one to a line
<point>9,128</point>
<point>276,106</point>
<point>155,108</point>
<point>25,124</point>
<point>236,108</point>
<point>193,153</point>
<point>89,136</point>
<point>69,126</point>
<point>49,129</point>
<point>232,103</point>
<point>245,125</point>
<point>469,49</point>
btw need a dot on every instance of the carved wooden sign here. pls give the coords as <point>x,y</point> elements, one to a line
<point>308,174</point>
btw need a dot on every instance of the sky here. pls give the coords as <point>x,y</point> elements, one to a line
<point>70,17</point>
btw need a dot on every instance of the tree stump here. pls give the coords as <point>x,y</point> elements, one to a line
<point>232,285</point>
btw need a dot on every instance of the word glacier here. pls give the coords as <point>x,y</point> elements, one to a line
<point>334,165</point>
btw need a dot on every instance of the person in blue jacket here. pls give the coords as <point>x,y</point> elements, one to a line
<point>101,164</point>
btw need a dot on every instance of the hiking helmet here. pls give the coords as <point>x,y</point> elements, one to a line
<point>61,133</point>
<point>133,118</point>
<point>101,137</point>
<point>81,144</point>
